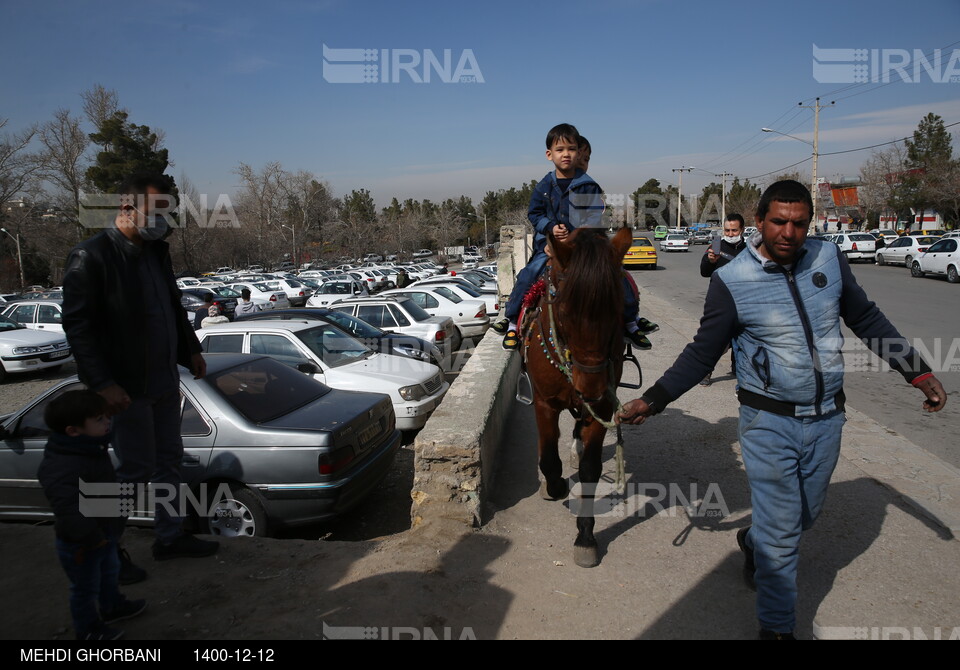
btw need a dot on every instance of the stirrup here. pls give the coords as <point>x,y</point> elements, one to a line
<point>524,389</point>
<point>629,357</point>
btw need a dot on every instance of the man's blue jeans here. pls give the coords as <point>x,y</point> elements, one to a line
<point>149,447</point>
<point>789,462</point>
<point>93,577</point>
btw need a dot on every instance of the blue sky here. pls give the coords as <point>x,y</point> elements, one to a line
<point>653,84</point>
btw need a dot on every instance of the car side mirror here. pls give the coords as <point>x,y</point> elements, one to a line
<point>307,368</point>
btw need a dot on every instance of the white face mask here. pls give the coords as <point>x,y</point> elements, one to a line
<point>733,240</point>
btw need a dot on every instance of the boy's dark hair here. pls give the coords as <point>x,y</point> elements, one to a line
<point>787,190</point>
<point>733,216</point>
<point>73,408</point>
<point>245,293</point>
<point>584,144</point>
<point>564,131</point>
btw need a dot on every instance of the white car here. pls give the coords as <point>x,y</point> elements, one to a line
<point>422,253</point>
<point>470,316</point>
<point>339,289</point>
<point>674,242</point>
<point>904,249</point>
<point>263,295</point>
<point>36,314</point>
<point>857,246</point>
<point>471,260</point>
<point>25,350</point>
<point>942,258</point>
<point>339,360</point>
<point>464,290</point>
<point>296,292</point>
<point>188,282</point>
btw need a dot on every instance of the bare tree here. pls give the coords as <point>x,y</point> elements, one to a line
<point>99,104</point>
<point>64,160</point>
<point>879,176</point>
<point>17,166</point>
<point>309,204</point>
<point>260,204</point>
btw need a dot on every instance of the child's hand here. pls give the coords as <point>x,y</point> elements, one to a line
<point>560,232</point>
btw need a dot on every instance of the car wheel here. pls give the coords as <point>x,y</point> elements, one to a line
<point>952,275</point>
<point>3,374</point>
<point>907,261</point>
<point>880,260</point>
<point>239,515</point>
<point>915,270</point>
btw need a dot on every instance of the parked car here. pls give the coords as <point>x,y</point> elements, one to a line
<point>471,260</point>
<point>422,253</point>
<point>36,314</point>
<point>903,250</point>
<point>263,295</point>
<point>284,449</point>
<point>332,356</point>
<point>255,269</point>
<point>941,258</point>
<point>857,246</point>
<point>641,253</point>
<point>372,258</point>
<point>187,282</point>
<point>469,316</point>
<point>193,299</point>
<point>381,341</point>
<point>332,291</point>
<point>24,350</point>
<point>457,289</point>
<point>702,236</point>
<point>675,242</point>
<point>285,266</point>
<point>400,314</point>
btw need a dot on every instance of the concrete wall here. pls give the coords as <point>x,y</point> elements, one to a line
<point>456,452</point>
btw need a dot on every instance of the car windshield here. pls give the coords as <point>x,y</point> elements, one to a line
<point>261,287</point>
<point>862,237</point>
<point>415,311</point>
<point>641,242</point>
<point>927,240</point>
<point>676,237</point>
<point>333,346</point>
<point>354,325</point>
<point>225,292</point>
<point>265,389</point>
<point>446,293</point>
<point>7,324</point>
<point>469,290</point>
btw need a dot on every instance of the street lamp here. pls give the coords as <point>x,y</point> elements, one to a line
<point>19,257</point>
<point>292,230</point>
<point>816,107</point>
<point>681,170</point>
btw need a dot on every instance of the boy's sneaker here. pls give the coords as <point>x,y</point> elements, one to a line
<point>125,610</point>
<point>101,632</point>
<point>129,573</point>
<point>646,326</point>
<point>501,325</point>
<point>639,340</point>
<point>511,341</point>
<point>749,567</point>
<point>770,635</point>
<point>185,546</point>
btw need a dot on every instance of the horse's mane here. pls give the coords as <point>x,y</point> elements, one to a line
<point>593,289</point>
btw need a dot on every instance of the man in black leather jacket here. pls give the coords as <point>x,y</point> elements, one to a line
<point>128,331</point>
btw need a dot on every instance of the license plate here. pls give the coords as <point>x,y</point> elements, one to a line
<point>60,354</point>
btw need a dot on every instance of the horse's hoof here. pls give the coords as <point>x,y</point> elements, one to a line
<point>558,491</point>
<point>586,557</point>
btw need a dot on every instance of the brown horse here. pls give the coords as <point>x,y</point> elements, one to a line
<point>573,351</point>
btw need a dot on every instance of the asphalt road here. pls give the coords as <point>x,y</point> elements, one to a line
<point>924,310</point>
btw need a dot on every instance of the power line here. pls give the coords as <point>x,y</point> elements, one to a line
<point>781,169</point>
<point>882,144</point>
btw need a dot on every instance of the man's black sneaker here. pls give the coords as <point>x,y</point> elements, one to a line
<point>501,325</point>
<point>129,573</point>
<point>749,567</point>
<point>185,546</point>
<point>639,340</point>
<point>646,326</point>
<point>770,635</point>
<point>101,632</point>
<point>706,380</point>
<point>125,610</point>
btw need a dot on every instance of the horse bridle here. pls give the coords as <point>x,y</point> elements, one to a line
<point>565,359</point>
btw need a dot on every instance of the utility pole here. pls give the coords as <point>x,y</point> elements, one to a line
<point>723,196</point>
<point>681,170</point>
<point>19,257</point>
<point>814,191</point>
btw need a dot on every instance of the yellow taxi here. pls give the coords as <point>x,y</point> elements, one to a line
<point>642,253</point>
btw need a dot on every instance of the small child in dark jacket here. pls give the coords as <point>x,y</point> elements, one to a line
<point>76,453</point>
